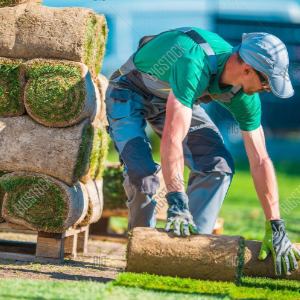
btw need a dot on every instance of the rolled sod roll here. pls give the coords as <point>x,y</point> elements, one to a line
<point>58,93</point>
<point>97,159</point>
<point>33,31</point>
<point>264,268</point>
<point>11,87</point>
<point>41,202</point>
<point>203,256</point>
<point>17,2</point>
<point>95,206</point>
<point>28,146</point>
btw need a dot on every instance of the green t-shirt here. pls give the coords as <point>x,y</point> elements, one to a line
<point>176,58</point>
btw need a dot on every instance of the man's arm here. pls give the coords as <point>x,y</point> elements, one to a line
<point>276,239</point>
<point>178,120</point>
<point>263,173</point>
<point>177,123</point>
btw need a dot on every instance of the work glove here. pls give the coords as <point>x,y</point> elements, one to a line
<point>277,241</point>
<point>179,215</point>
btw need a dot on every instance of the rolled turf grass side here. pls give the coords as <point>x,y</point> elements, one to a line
<point>17,2</point>
<point>1,197</point>
<point>58,93</point>
<point>113,191</point>
<point>41,202</point>
<point>11,88</point>
<point>99,152</point>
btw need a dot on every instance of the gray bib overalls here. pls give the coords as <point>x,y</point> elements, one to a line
<point>134,98</point>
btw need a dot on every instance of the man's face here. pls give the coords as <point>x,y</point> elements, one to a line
<point>251,82</point>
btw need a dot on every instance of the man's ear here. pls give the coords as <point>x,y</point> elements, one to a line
<point>248,70</point>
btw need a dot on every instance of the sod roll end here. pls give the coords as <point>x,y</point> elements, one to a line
<point>95,208</point>
<point>41,202</point>
<point>203,256</point>
<point>58,93</point>
<point>264,268</point>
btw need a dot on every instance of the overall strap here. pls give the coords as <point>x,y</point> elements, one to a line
<point>198,39</point>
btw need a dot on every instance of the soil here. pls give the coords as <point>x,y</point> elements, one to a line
<point>103,262</point>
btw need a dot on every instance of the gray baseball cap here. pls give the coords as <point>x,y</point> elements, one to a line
<point>268,54</point>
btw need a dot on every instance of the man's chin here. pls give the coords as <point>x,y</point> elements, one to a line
<point>249,93</point>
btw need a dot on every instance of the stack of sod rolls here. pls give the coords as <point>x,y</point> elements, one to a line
<point>53,141</point>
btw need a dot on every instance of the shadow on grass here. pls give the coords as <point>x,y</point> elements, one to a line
<point>272,284</point>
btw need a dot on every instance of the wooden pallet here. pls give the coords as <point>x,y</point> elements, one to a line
<point>50,247</point>
<point>101,229</point>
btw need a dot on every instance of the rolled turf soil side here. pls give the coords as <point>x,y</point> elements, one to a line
<point>41,202</point>
<point>58,93</point>
<point>264,268</point>
<point>59,152</point>
<point>11,87</point>
<point>95,208</point>
<point>33,31</point>
<point>203,256</point>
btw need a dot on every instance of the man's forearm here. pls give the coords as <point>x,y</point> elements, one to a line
<point>266,187</point>
<point>172,162</point>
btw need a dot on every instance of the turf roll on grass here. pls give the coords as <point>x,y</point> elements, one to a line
<point>58,93</point>
<point>4,3</point>
<point>203,256</point>
<point>11,87</point>
<point>34,31</point>
<point>264,268</point>
<point>41,202</point>
<point>59,152</point>
<point>95,207</point>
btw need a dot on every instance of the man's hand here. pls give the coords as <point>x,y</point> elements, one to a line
<point>179,215</point>
<point>277,241</point>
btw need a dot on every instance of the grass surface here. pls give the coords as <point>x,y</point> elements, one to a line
<point>54,91</point>
<point>11,100</point>
<point>23,193</point>
<point>17,289</point>
<point>99,153</point>
<point>85,149</point>
<point>143,286</point>
<point>251,288</point>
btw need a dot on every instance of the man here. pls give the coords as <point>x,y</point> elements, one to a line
<point>162,83</point>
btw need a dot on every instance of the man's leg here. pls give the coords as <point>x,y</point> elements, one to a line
<point>212,169</point>
<point>127,130</point>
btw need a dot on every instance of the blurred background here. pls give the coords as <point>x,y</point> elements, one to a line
<point>130,20</point>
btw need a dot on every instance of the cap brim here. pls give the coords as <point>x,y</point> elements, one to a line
<point>235,49</point>
<point>281,86</point>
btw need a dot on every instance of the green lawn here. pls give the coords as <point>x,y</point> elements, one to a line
<point>143,286</point>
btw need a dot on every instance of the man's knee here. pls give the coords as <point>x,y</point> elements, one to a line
<point>208,151</point>
<point>141,168</point>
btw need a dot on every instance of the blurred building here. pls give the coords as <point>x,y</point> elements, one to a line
<point>129,20</point>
